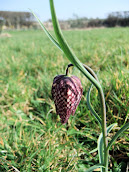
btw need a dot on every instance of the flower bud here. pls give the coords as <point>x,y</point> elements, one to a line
<point>67,93</point>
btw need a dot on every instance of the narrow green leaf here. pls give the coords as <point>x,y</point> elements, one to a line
<point>94,150</point>
<point>118,133</point>
<point>95,167</point>
<point>100,143</point>
<point>46,31</point>
<point>91,108</point>
<point>100,148</point>
<point>67,50</point>
<point>110,127</point>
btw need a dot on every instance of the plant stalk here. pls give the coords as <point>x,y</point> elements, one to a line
<point>104,130</point>
<point>104,127</point>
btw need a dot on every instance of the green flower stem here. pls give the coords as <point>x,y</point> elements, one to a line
<point>104,130</point>
<point>91,72</point>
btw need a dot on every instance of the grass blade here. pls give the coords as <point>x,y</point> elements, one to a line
<point>118,134</point>
<point>100,144</point>
<point>91,108</point>
<point>95,167</point>
<point>94,150</point>
<point>46,31</point>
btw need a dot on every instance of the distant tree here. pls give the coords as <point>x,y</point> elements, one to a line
<point>1,24</point>
<point>78,22</point>
<point>17,19</point>
<point>117,19</point>
<point>95,22</point>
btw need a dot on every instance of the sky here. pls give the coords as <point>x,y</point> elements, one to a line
<point>67,9</point>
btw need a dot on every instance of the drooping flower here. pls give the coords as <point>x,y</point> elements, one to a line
<point>67,93</point>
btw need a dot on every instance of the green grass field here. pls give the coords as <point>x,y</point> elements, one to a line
<point>31,135</point>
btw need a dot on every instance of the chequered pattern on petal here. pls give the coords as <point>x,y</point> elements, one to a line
<point>67,93</point>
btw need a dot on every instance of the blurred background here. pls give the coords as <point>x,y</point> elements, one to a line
<point>71,14</point>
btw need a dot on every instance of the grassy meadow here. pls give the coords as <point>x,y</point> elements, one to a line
<point>31,135</point>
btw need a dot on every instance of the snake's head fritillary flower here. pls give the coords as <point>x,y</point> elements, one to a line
<point>67,93</point>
